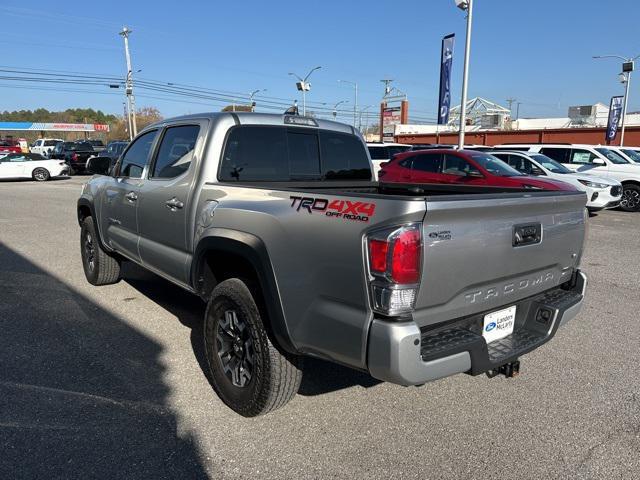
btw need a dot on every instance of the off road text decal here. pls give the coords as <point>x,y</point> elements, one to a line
<point>355,211</point>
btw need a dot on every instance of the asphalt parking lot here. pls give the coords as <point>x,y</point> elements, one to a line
<point>110,382</point>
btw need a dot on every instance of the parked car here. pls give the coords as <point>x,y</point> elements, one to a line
<point>114,149</point>
<point>383,152</point>
<point>43,146</point>
<point>9,146</point>
<point>632,154</point>
<point>601,192</point>
<point>600,161</point>
<point>98,145</point>
<point>31,165</point>
<point>465,167</point>
<point>75,154</point>
<point>274,222</point>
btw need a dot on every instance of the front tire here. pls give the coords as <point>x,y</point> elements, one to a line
<point>249,373</point>
<point>100,268</point>
<point>630,201</point>
<point>41,174</point>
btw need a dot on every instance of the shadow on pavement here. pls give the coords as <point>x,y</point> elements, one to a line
<point>319,377</point>
<point>81,392</point>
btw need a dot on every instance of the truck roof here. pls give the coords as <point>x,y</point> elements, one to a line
<point>253,118</point>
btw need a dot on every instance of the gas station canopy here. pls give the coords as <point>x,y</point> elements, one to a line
<point>54,127</point>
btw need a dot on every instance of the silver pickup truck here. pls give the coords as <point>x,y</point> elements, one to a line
<point>275,222</point>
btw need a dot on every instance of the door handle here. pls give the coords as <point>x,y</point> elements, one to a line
<point>174,204</point>
<point>131,196</point>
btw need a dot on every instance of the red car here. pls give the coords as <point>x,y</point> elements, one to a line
<point>464,167</point>
<point>9,146</point>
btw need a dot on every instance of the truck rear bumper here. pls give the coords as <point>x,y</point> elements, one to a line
<point>403,353</point>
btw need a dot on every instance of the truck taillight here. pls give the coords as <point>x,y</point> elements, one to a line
<point>74,157</point>
<point>395,260</point>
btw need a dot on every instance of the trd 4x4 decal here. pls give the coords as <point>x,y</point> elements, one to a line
<point>356,211</point>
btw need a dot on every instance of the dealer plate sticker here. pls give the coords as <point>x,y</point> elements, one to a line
<point>499,324</point>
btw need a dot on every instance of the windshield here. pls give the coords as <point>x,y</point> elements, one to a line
<point>494,165</point>
<point>550,164</point>
<point>613,156</point>
<point>632,154</point>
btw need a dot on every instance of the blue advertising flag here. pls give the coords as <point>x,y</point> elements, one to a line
<point>615,112</point>
<point>446,59</point>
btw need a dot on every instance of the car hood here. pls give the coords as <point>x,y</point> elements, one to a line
<point>588,178</point>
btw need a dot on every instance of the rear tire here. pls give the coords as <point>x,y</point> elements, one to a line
<point>630,198</point>
<point>249,373</point>
<point>100,268</point>
<point>41,174</point>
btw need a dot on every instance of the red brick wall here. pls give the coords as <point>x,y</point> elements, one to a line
<point>591,136</point>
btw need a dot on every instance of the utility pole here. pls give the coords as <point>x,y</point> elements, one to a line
<point>510,101</point>
<point>518,110</point>
<point>468,6</point>
<point>387,88</point>
<point>131,102</point>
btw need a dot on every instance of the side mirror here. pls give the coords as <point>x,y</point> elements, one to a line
<point>99,165</point>
<point>598,161</point>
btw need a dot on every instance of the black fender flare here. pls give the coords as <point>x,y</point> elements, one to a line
<point>255,252</point>
<point>85,202</point>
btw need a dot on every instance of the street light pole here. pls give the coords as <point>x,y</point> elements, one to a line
<point>304,87</point>
<point>361,112</point>
<point>355,105</point>
<point>251,94</point>
<point>131,102</point>
<point>468,6</point>
<point>335,107</point>
<point>627,81</point>
<point>627,68</point>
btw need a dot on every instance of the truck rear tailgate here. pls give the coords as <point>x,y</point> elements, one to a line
<point>484,252</point>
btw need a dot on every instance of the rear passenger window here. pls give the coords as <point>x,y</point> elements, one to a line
<point>379,153</point>
<point>176,151</point>
<point>454,165</point>
<point>558,154</point>
<point>427,162</point>
<point>255,154</point>
<point>304,157</point>
<point>260,153</point>
<point>582,156</point>
<point>343,157</point>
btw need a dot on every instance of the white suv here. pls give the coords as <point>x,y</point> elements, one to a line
<point>43,146</point>
<point>383,152</point>
<point>601,192</point>
<point>600,161</point>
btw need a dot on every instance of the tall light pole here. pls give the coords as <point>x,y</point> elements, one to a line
<point>335,107</point>
<point>468,6</point>
<point>304,87</point>
<point>131,101</point>
<point>625,77</point>
<point>251,94</point>
<point>355,105</point>
<point>360,120</point>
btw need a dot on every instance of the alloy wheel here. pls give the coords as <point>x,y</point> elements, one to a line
<point>90,251</point>
<point>235,348</point>
<point>630,199</point>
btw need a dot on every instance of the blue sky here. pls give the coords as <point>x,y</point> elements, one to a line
<point>536,51</point>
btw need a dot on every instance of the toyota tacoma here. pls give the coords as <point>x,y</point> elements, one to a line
<point>276,223</point>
